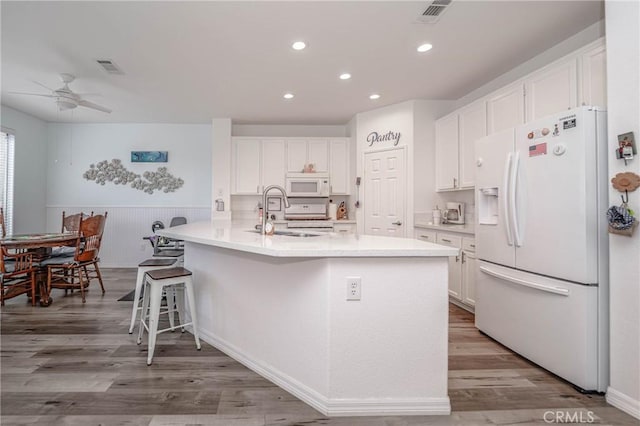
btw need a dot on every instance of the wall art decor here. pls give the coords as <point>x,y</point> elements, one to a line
<point>149,156</point>
<point>116,173</point>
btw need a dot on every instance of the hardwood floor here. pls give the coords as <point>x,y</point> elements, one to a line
<point>75,364</point>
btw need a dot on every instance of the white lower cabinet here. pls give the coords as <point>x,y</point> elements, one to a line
<point>455,264</point>
<point>462,268</point>
<point>344,228</point>
<point>469,277</point>
<point>423,234</point>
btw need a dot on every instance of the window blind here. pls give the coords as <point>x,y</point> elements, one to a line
<point>7,153</point>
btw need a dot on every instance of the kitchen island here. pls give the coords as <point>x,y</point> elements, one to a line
<point>278,304</point>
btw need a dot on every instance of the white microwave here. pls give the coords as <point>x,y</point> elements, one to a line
<point>307,184</point>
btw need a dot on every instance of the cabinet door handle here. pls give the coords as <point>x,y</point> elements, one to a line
<point>455,182</point>
<point>398,223</point>
<point>457,259</point>
<point>446,241</point>
<point>472,245</point>
<point>462,257</point>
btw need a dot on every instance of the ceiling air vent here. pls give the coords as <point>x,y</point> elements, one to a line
<point>109,66</point>
<point>434,11</point>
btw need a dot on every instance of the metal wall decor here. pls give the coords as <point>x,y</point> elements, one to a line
<point>117,174</point>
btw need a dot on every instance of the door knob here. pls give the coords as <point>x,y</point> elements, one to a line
<point>398,223</point>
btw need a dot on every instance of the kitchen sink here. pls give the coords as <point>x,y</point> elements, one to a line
<point>288,233</point>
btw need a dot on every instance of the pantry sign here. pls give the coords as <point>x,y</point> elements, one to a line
<point>375,137</point>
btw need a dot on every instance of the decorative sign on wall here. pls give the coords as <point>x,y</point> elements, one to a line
<point>375,137</point>
<point>116,173</point>
<point>149,156</point>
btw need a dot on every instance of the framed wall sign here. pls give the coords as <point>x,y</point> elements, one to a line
<point>149,156</point>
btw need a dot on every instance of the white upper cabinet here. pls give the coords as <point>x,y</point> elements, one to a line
<point>505,108</point>
<point>245,166</point>
<point>296,155</point>
<point>447,152</point>
<point>304,151</point>
<point>594,76</point>
<point>577,79</point>
<point>472,125</point>
<point>551,90</point>
<point>318,154</point>
<point>255,164</point>
<point>339,166</point>
<point>455,138</point>
<point>273,162</point>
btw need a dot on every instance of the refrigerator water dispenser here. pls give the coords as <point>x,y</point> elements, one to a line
<point>488,206</point>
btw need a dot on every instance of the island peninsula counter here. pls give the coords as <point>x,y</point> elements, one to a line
<point>277,304</point>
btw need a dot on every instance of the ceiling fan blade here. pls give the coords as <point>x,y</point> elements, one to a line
<point>91,105</point>
<point>31,94</point>
<point>41,85</point>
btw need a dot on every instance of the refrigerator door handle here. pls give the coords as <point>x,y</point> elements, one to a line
<point>549,289</point>
<point>513,186</point>
<point>505,198</point>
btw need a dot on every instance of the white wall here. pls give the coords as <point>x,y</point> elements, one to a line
<point>394,118</point>
<point>72,148</point>
<point>221,165</point>
<point>623,85</point>
<point>30,170</point>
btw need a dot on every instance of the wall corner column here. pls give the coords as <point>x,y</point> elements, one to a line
<point>221,167</point>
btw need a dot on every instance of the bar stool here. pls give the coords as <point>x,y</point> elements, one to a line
<point>177,255</point>
<point>143,268</point>
<point>175,280</point>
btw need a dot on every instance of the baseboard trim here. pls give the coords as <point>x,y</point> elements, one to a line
<point>327,406</point>
<point>389,407</point>
<point>623,402</point>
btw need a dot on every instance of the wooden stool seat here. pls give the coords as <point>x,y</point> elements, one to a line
<point>163,274</point>
<point>157,262</point>
<point>143,268</point>
<point>175,282</point>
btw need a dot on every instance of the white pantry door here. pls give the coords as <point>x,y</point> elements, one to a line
<point>385,192</point>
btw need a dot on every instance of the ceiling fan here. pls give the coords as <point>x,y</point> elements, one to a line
<point>65,97</point>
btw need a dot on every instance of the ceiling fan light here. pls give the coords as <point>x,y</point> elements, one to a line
<point>65,104</point>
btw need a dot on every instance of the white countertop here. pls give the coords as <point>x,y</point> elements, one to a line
<point>237,237</point>
<point>467,228</point>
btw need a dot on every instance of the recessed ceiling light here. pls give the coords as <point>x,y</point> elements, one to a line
<point>345,76</point>
<point>288,95</point>
<point>374,96</point>
<point>298,45</point>
<point>424,47</point>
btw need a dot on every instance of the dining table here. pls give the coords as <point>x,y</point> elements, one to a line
<point>41,246</point>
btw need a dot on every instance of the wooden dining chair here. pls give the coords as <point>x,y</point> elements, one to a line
<point>2,224</point>
<point>72,223</point>
<point>17,274</point>
<point>71,273</point>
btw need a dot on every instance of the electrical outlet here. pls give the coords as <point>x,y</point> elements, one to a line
<point>354,288</point>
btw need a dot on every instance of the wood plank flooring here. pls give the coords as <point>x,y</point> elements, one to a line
<point>75,364</point>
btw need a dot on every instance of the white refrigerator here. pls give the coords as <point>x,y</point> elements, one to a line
<point>541,199</point>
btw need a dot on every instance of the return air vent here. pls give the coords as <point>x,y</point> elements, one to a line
<point>434,11</point>
<point>109,66</point>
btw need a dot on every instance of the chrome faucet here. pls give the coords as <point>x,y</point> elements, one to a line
<point>264,203</point>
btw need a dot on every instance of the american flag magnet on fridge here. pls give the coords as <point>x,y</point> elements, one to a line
<point>538,149</point>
